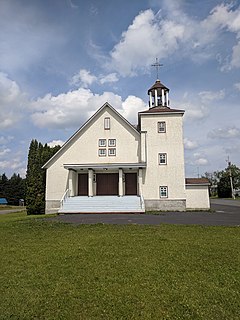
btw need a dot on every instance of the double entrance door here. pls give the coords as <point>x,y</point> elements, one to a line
<point>107,184</point>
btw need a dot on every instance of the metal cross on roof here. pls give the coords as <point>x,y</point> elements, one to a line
<point>157,65</point>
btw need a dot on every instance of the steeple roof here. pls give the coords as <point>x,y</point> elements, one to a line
<point>158,85</point>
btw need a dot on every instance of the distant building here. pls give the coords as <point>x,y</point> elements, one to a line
<point>109,165</point>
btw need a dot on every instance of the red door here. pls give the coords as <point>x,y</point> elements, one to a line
<point>131,184</point>
<point>83,184</point>
<point>107,184</point>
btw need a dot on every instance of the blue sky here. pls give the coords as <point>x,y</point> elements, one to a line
<point>61,60</point>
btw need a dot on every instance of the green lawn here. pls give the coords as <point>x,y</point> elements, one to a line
<point>50,270</point>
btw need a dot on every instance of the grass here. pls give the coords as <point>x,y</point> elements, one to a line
<point>51,270</point>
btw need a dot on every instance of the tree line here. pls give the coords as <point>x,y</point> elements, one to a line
<point>225,183</point>
<point>13,189</point>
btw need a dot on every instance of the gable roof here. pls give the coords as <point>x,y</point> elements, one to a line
<point>91,119</point>
<point>3,201</point>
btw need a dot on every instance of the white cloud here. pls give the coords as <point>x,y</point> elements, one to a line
<point>12,102</point>
<point>146,38</point>
<point>5,140</point>
<point>237,86</point>
<point>190,144</point>
<point>55,143</point>
<point>3,152</point>
<point>208,96</point>
<point>224,133</point>
<point>12,164</point>
<point>83,78</point>
<point>74,107</point>
<point>109,78</point>
<point>201,162</point>
<point>130,108</point>
<point>172,31</point>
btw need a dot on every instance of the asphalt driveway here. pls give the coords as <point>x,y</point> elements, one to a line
<point>225,213</point>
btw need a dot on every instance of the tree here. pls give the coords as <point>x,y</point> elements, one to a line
<point>36,176</point>
<point>220,181</point>
<point>3,184</point>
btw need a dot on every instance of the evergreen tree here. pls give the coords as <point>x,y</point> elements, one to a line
<point>3,184</point>
<point>36,176</point>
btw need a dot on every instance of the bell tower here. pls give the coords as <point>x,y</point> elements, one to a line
<point>158,95</point>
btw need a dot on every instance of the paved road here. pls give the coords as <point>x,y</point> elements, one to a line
<point>224,215</point>
<point>12,210</point>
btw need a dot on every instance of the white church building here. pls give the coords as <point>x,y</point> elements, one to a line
<point>109,165</point>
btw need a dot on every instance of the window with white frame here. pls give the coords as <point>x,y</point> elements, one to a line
<point>163,190</point>
<point>102,152</point>
<point>112,142</point>
<point>102,142</point>
<point>107,123</point>
<point>111,151</point>
<point>162,158</point>
<point>162,126</point>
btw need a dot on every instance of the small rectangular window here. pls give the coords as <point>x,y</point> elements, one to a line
<point>162,158</point>
<point>107,123</point>
<point>112,142</point>
<point>102,152</point>
<point>162,126</point>
<point>112,152</point>
<point>163,192</point>
<point>102,142</point>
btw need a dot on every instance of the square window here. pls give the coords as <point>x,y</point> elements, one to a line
<point>102,142</point>
<point>112,152</point>
<point>162,126</point>
<point>163,192</point>
<point>112,142</point>
<point>107,123</point>
<point>162,158</point>
<point>102,152</point>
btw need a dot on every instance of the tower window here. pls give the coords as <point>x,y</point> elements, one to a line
<point>107,123</point>
<point>162,158</point>
<point>162,126</point>
<point>163,191</point>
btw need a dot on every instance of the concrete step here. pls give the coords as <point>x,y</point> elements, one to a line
<point>102,204</point>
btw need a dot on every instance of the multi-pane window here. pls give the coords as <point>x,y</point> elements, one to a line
<point>102,142</point>
<point>107,123</point>
<point>102,152</point>
<point>112,152</point>
<point>162,126</point>
<point>162,158</point>
<point>163,192</point>
<point>112,142</point>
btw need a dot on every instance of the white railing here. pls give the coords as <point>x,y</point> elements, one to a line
<point>142,202</point>
<point>64,197</point>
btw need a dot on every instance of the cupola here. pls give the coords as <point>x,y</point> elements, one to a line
<point>158,95</point>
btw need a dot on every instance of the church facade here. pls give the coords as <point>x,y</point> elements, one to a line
<point>108,158</point>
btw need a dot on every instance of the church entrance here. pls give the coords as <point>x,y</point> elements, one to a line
<point>83,184</point>
<point>107,184</point>
<point>130,184</point>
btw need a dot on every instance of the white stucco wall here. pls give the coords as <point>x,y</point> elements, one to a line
<point>83,149</point>
<point>172,174</point>
<point>197,197</point>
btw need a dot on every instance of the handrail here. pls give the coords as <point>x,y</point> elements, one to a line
<point>142,202</point>
<point>64,197</point>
